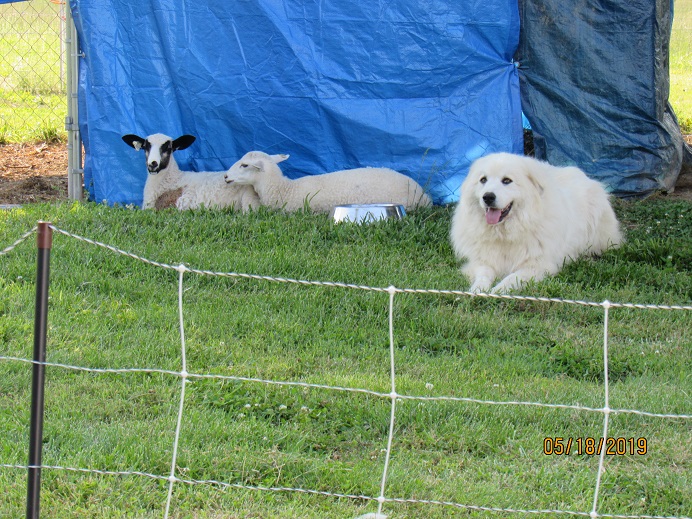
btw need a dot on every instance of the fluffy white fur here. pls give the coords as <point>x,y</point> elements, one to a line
<point>520,219</point>
<point>322,192</point>
<point>199,188</point>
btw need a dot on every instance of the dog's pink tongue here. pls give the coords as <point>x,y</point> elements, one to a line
<point>492,216</point>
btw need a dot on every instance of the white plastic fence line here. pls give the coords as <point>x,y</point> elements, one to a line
<point>369,288</point>
<point>344,496</point>
<point>21,239</point>
<point>606,410</point>
<point>308,385</point>
<point>361,287</point>
<point>392,395</point>
<point>183,376</point>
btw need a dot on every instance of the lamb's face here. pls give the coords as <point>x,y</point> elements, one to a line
<point>158,149</point>
<point>246,171</point>
<point>158,152</point>
<point>252,167</point>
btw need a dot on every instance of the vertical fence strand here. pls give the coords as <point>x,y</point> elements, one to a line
<point>381,499</point>
<point>606,411</point>
<point>183,375</point>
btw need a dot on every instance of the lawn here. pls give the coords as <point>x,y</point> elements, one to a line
<point>681,64</point>
<point>33,102</point>
<point>112,311</point>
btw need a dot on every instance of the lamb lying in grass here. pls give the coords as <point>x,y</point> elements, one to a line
<point>168,186</point>
<point>322,192</point>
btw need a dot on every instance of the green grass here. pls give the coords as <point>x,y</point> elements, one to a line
<point>111,311</point>
<point>681,64</point>
<point>33,102</point>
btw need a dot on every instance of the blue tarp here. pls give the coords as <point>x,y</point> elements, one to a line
<point>421,86</point>
<point>594,84</point>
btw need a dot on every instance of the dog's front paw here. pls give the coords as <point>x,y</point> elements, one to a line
<point>518,280</point>
<point>502,289</point>
<point>480,286</point>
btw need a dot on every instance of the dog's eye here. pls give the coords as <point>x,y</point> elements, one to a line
<point>244,165</point>
<point>483,180</point>
<point>506,181</point>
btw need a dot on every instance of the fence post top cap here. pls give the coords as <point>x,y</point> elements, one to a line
<point>44,236</point>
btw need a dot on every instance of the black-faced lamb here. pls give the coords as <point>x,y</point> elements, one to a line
<point>168,186</point>
<point>322,192</point>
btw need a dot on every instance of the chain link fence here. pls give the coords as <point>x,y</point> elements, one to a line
<point>33,102</point>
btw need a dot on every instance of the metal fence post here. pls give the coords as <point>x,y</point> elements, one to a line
<point>44,242</point>
<point>75,171</point>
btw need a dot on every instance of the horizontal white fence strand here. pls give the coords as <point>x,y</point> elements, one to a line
<point>21,239</point>
<point>238,486</point>
<point>369,288</point>
<point>307,385</point>
<point>392,395</point>
<point>221,484</point>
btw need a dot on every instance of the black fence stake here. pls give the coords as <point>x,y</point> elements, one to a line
<point>44,241</point>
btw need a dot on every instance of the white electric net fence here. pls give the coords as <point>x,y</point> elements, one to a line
<point>393,397</point>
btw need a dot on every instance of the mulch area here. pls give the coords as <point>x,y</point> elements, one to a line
<point>38,173</point>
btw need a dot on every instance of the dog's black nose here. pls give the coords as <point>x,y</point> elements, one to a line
<point>489,199</point>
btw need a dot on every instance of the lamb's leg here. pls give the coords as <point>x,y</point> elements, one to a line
<point>168,198</point>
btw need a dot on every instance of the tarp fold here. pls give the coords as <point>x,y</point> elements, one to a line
<point>594,86</point>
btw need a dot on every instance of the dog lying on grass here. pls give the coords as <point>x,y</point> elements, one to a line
<point>520,219</point>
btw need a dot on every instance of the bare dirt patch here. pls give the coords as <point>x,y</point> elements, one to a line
<point>38,173</point>
<point>33,173</point>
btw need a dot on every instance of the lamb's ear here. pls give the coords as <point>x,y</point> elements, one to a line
<point>182,142</point>
<point>256,163</point>
<point>279,158</point>
<point>133,140</point>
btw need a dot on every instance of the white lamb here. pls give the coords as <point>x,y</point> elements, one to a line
<point>322,192</point>
<point>168,186</point>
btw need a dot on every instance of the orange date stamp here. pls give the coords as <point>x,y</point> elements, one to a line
<point>558,446</point>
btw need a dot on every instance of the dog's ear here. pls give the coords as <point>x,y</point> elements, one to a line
<point>534,178</point>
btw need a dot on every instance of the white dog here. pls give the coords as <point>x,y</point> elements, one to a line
<point>520,219</point>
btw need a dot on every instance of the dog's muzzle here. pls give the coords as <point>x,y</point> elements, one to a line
<point>494,215</point>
